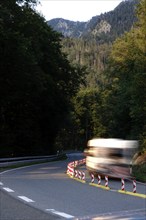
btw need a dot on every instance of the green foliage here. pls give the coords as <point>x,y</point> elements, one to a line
<point>36,81</point>
<point>127,75</point>
<point>104,28</point>
<point>119,21</point>
<point>139,172</point>
<point>66,91</point>
<point>88,55</point>
<point>112,103</point>
<point>86,119</point>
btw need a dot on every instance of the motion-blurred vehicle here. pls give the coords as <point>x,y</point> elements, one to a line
<point>112,157</point>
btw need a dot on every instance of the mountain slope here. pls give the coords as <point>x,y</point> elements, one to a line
<point>104,28</point>
<point>67,28</point>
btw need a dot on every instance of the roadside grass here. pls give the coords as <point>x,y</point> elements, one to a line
<point>139,172</point>
<point>139,166</point>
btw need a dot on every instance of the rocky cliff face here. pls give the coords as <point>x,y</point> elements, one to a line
<point>67,28</point>
<point>102,27</point>
<point>108,25</point>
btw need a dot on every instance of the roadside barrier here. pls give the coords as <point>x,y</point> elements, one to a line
<point>92,178</point>
<point>76,174</point>
<point>73,172</point>
<point>106,181</point>
<point>83,176</point>
<point>99,179</point>
<point>70,169</point>
<point>79,174</point>
<point>8,162</point>
<point>134,186</point>
<point>123,184</point>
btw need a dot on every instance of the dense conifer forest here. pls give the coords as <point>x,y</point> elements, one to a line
<point>37,81</point>
<point>108,104</point>
<point>57,92</point>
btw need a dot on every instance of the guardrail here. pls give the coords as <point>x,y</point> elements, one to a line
<point>74,172</point>
<point>6,162</point>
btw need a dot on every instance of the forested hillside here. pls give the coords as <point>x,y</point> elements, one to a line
<point>37,81</point>
<point>103,28</point>
<point>112,103</point>
<point>88,43</point>
<point>57,92</point>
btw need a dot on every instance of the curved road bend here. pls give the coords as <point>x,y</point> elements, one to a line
<point>45,189</point>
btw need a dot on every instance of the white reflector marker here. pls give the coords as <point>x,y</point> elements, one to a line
<point>26,199</point>
<point>60,213</point>
<point>8,189</point>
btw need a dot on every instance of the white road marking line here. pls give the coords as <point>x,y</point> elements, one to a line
<point>25,198</point>
<point>19,168</point>
<point>8,189</point>
<point>60,213</point>
<point>1,184</point>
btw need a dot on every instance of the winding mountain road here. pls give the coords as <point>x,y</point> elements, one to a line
<point>48,192</point>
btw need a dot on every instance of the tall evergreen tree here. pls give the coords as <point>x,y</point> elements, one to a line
<point>36,81</point>
<point>128,80</point>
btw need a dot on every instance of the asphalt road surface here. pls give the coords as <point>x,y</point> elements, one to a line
<point>13,209</point>
<point>45,191</point>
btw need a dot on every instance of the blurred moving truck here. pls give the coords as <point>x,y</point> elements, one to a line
<point>112,157</point>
